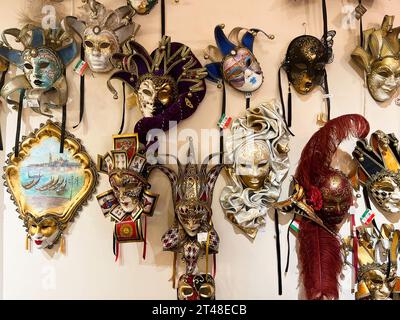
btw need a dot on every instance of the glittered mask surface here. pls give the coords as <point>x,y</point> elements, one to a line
<point>305,62</point>
<point>42,68</point>
<point>379,57</point>
<point>257,151</point>
<point>196,287</point>
<point>143,6</point>
<point>242,70</point>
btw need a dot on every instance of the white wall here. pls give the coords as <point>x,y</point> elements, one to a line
<point>246,270</point>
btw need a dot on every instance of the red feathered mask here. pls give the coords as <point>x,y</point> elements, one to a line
<point>329,192</point>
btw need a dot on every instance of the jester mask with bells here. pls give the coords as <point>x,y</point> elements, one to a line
<point>379,170</point>
<point>380,58</point>
<point>142,6</point>
<point>234,61</point>
<point>48,187</point>
<point>169,83</point>
<point>129,201</point>
<point>305,61</point>
<point>102,32</point>
<point>192,233</point>
<point>257,152</point>
<point>323,196</point>
<point>43,59</point>
<point>378,276</point>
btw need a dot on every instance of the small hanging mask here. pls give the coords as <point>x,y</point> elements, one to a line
<point>234,61</point>
<point>103,32</point>
<point>379,170</point>
<point>129,199</point>
<point>142,6</point>
<point>257,151</point>
<point>49,187</point>
<point>380,58</point>
<point>305,61</point>
<point>196,287</point>
<point>168,83</point>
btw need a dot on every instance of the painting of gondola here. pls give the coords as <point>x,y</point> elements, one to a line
<point>44,182</point>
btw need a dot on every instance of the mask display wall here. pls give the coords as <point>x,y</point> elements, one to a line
<point>192,233</point>
<point>377,253</point>
<point>102,32</point>
<point>380,59</point>
<point>379,166</point>
<point>49,187</point>
<point>234,61</point>
<point>257,154</point>
<point>168,83</point>
<point>43,61</point>
<point>129,201</point>
<point>323,196</point>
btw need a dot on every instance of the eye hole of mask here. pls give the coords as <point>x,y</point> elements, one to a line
<point>147,92</point>
<point>105,45</point>
<point>89,44</point>
<point>43,65</point>
<point>384,74</point>
<point>248,62</point>
<point>28,66</point>
<point>206,291</point>
<point>301,66</point>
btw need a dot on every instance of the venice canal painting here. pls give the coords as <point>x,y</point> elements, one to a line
<point>48,178</point>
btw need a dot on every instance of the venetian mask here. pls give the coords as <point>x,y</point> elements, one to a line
<point>103,32</point>
<point>337,198</point>
<point>99,48</point>
<point>234,60</point>
<point>257,154</point>
<point>196,287</point>
<point>378,170</point>
<point>252,164</point>
<point>305,61</point>
<point>49,187</point>
<point>42,68</point>
<point>168,83</point>
<point>143,6</point>
<point>380,58</point>
<point>43,232</point>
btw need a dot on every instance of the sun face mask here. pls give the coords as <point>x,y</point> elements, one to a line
<point>192,234</point>
<point>378,171</point>
<point>234,61</point>
<point>103,32</point>
<point>377,255</point>
<point>380,59</point>
<point>322,197</point>
<point>168,83</point>
<point>49,187</point>
<point>129,201</point>
<point>257,154</point>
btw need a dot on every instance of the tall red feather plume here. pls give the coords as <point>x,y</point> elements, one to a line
<point>319,250</point>
<point>317,154</point>
<point>320,260</point>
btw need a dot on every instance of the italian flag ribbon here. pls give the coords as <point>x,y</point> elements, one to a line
<point>224,121</point>
<point>81,67</point>
<point>367,217</point>
<point>295,225</point>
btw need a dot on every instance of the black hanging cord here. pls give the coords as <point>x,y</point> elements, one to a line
<point>248,100</point>
<point>325,17</point>
<point>278,252</point>
<point>162,18</point>
<point>288,244</point>
<point>327,98</point>
<point>221,130</point>
<point>3,77</point>
<point>63,123</point>
<point>361,28</point>
<point>17,133</point>
<point>282,102</point>
<point>82,91</point>
<point>123,108</point>
<point>290,106</point>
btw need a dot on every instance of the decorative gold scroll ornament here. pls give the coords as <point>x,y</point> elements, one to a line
<point>49,187</point>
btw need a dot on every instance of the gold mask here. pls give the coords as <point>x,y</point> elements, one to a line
<point>380,58</point>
